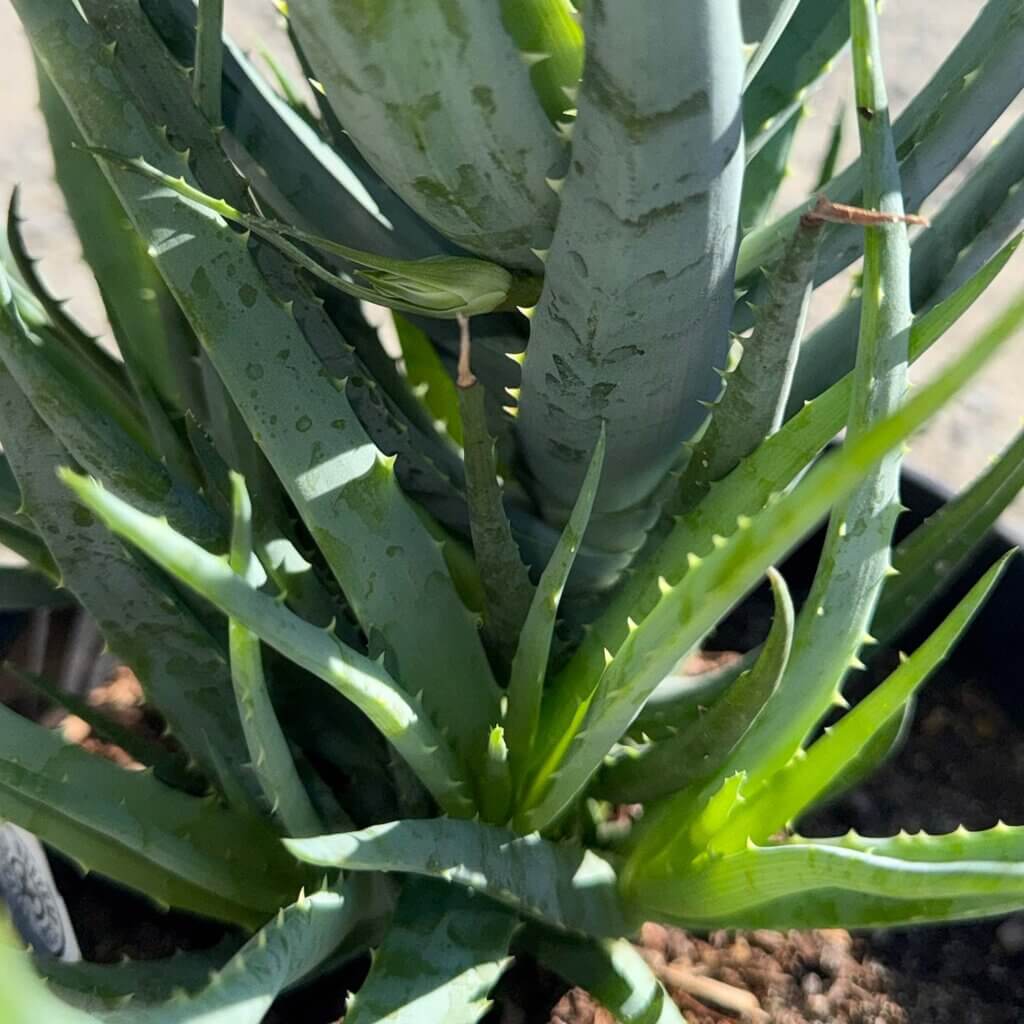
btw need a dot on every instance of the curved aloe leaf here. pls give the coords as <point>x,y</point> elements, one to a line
<point>586,714</point>
<point>442,953</point>
<point>733,887</point>
<point>291,946</point>
<point>530,664</point>
<point>856,557</point>
<point>449,161</point>
<point>634,343</point>
<point>929,559</point>
<point>182,850</point>
<point>612,971</point>
<point>1002,842</point>
<point>563,886</point>
<point>768,28</point>
<point>303,420</point>
<point>429,378</point>
<point>268,748</point>
<point>796,787</point>
<point>697,754</point>
<point>24,998</point>
<point>183,671</point>
<point>398,716</point>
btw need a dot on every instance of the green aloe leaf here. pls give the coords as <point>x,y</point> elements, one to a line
<point>736,886</point>
<point>578,734</point>
<point>133,292</point>
<point>181,850</point>
<point>551,40</point>
<point>929,559</point>
<point>793,790</point>
<point>505,581</point>
<point>449,161</point>
<point>661,86</point>
<point>567,887</point>
<point>611,970</point>
<point>695,755</point>
<point>756,391</point>
<point>282,953</point>
<point>268,747</point>
<point>398,715</point>
<point>782,12</point>
<point>530,664</point>
<point>856,556</point>
<point>429,378</point>
<point>209,60</point>
<point>443,952</point>
<point>302,418</point>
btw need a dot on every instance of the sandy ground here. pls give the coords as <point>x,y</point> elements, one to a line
<point>916,36</point>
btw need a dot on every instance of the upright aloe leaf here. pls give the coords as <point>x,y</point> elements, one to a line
<point>342,487</point>
<point>856,557</point>
<point>268,747</point>
<point>442,954</point>
<point>131,287</point>
<point>209,60</point>
<point>474,164</point>
<point>656,173</point>
<point>530,664</point>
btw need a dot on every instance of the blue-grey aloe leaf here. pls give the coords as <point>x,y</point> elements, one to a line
<point>611,970</point>
<point>441,955</point>
<point>303,420</point>
<point>209,60</point>
<point>928,560</point>
<point>856,557</point>
<point>564,886</point>
<point>181,850</point>
<point>475,165</point>
<point>696,755</point>
<point>656,172</point>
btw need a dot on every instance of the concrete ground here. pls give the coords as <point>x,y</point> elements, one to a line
<point>916,36</point>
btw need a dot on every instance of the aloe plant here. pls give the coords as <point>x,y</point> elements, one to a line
<point>413,623</point>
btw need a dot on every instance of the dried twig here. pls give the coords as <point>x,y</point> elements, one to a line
<point>825,211</point>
